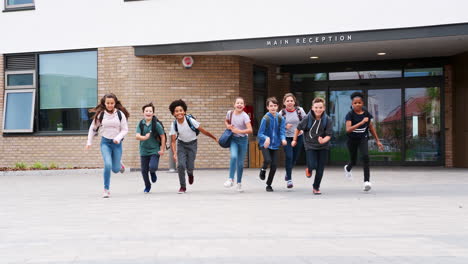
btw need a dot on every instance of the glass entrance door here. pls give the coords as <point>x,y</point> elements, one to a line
<point>339,105</point>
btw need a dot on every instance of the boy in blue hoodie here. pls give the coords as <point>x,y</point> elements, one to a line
<point>271,134</point>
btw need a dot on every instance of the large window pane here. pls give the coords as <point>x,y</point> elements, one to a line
<point>68,87</point>
<point>385,107</point>
<point>422,119</point>
<point>19,111</point>
<point>339,106</point>
<point>309,77</point>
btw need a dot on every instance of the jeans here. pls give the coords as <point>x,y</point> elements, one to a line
<point>238,150</point>
<point>353,146</point>
<point>292,154</point>
<point>316,160</point>
<point>111,154</point>
<point>149,164</point>
<point>270,157</point>
<point>186,154</point>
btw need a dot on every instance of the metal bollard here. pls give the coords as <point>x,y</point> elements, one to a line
<point>172,163</point>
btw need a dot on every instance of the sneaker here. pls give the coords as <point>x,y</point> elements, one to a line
<point>239,187</point>
<point>154,178</point>
<point>308,173</point>
<point>122,167</point>
<point>367,186</point>
<point>290,184</point>
<point>228,183</point>
<point>348,174</point>
<point>269,189</point>
<point>106,194</point>
<point>316,191</point>
<point>190,179</point>
<point>262,174</point>
<point>147,189</point>
<point>182,190</point>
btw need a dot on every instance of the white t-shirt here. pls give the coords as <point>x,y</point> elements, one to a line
<point>186,134</point>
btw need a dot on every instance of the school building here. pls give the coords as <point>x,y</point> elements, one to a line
<point>58,58</point>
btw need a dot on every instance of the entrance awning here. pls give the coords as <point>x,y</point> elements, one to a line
<point>418,42</point>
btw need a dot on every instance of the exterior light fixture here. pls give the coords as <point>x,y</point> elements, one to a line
<point>381,53</point>
<point>314,57</point>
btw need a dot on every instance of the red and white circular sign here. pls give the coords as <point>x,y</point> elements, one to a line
<point>187,61</point>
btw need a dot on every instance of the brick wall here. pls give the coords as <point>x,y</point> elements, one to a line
<point>209,88</point>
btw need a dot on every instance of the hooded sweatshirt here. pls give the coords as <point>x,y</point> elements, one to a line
<point>276,131</point>
<point>317,129</point>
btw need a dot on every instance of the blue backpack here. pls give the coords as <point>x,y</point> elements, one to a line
<point>310,121</point>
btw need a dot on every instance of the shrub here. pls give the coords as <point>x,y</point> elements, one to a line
<point>37,165</point>
<point>21,165</point>
<point>53,165</point>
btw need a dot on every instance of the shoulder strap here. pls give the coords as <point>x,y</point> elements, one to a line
<point>299,114</point>
<point>175,126</point>
<point>119,114</point>
<point>280,120</point>
<point>267,121</point>
<point>142,126</point>
<point>101,117</point>
<point>309,121</point>
<point>283,112</point>
<point>187,117</point>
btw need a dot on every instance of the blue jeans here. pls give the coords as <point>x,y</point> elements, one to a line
<point>149,165</point>
<point>238,150</point>
<point>292,154</point>
<point>111,154</point>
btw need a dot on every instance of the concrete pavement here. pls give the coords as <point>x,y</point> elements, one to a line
<point>412,215</point>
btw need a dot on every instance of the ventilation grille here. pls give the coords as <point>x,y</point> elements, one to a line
<point>20,62</point>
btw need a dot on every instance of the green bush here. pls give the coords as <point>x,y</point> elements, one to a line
<point>53,165</point>
<point>21,165</point>
<point>37,165</point>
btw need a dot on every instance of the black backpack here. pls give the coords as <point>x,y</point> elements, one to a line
<point>298,111</point>
<point>154,121</point>
<point>267,120</point>
<point>101,117</point>
<point>187,117</point>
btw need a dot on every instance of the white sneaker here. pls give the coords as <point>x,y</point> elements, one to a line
<point>106,194</point>
<point>228,183</point>
<point>348,174</point>
<point>367,186</point>
<point>239,187</point>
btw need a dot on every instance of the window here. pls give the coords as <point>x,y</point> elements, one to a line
<point>358,75</point>
<point>20,79</point>
<point>12,5</point>
<point>67,90</point>
<point>422,72</point>
<point>18,112</point>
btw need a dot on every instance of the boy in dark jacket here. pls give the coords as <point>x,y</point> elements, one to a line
<point>317,127</point>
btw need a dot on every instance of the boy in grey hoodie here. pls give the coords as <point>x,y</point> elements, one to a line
<point>317,127</point>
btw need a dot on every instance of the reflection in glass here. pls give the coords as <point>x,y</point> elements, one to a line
<point>68,87</point>
<point>385,107</point>
<point>422,120</point>
<point>423,72</point>
<point>309,76</point>
<point>339,106</point>
<point>305,99</point>
<point>357,75</point>
<point>18,110</point>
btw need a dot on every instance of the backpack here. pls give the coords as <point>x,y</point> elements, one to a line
<point>298,111</point>
<point>187,117</point>
<point>101,117</point>
<point>154,121</point>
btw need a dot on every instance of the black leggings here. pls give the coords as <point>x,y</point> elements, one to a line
<point>270,157</point>
<point>353,146</point>
<point>316,160</point>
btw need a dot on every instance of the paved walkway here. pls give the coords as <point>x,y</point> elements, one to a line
<point>412,215</point>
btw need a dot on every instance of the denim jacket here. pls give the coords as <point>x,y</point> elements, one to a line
<point>276,132</point>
